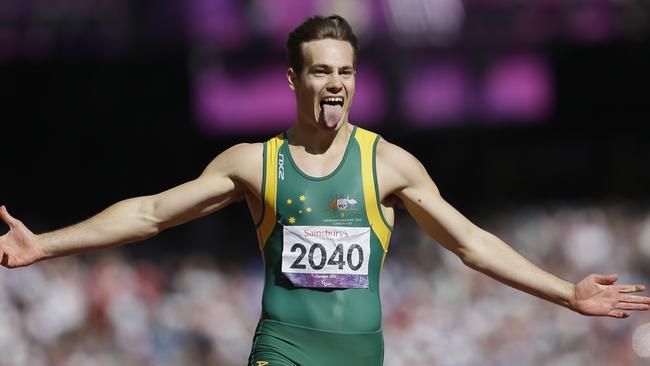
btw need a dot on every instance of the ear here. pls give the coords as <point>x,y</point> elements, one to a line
<point>293,78</point>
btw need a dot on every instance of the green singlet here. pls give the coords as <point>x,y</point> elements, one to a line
<point>324,241</point>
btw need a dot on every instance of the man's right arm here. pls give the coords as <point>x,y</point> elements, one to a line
<point>226,179</point>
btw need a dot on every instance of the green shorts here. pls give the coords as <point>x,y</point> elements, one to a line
<point>283,344</point>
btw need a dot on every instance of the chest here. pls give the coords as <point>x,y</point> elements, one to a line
<point>334,199</point>
<point>315,165</point>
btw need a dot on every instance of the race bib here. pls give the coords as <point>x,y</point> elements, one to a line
<point>326,256</point>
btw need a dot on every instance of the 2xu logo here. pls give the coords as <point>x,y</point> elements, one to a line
<point>281,166</point>
<point>262,363</point>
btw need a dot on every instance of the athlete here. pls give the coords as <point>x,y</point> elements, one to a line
<point>321,195</point>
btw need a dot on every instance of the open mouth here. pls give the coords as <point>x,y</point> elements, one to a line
<point>331,111</point>
<point>333,101</point>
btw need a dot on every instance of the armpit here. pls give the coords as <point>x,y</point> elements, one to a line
<point>393,201</point>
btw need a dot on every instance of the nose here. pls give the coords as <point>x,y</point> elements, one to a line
<point>334,83</point>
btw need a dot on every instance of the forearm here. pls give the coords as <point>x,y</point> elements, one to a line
<point>491,256</point>
<point>124,222</point>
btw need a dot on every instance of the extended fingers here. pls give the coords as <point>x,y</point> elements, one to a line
<point>632,306</point>
<point>630,288</point>
<point>632,302</point>
<point>635,299</point>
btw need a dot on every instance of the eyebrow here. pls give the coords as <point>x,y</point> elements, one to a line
<point>324,66</point>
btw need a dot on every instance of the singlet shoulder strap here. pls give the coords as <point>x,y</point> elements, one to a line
<point>367,146</point>
<point>269,188</point>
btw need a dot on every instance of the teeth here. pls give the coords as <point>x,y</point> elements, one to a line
<point>333,99</point>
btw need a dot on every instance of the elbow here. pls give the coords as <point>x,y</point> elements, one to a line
<point>471,259</point>
<point>471,251</point>
<point>150,225</point>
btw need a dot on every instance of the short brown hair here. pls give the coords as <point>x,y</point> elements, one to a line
<point>315,28</point>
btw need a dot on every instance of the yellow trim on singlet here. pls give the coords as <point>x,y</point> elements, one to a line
<point>267,223</point>
<point>366,140</point>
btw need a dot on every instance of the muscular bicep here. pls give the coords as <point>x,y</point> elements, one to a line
<point>190,200</point>
<point>226,179</point>
<point>413,186</point>
<point>437,217</point>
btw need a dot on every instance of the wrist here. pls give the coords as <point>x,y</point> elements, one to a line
<point>570,300</point>
<point>42,248</point>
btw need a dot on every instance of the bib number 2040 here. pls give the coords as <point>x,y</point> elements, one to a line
<point>326,256</point>
<point>317,256</point>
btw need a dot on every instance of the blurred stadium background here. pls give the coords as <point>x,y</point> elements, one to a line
<point>528,115</point>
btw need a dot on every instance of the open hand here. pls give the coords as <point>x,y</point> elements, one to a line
<point>18,246</point>
<point>597,295</point>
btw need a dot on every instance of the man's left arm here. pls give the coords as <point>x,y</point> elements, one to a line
<point>401,174</point>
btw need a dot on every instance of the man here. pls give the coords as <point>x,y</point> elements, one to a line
<point>321,195</point>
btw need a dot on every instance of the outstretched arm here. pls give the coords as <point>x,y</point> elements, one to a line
<point>222,182</point>
<point>403,175</point>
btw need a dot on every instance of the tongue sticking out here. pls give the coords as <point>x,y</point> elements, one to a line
<point>331,114</point>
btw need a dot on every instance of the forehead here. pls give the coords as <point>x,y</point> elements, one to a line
<point>330,52</point>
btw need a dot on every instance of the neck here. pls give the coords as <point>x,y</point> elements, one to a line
<point>317,140</point>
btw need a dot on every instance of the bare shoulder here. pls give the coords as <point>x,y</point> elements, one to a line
<point>242,161</point>
<point>399,171</point>
<point>397,162</point>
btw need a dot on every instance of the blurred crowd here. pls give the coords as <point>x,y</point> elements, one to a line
<point>111,308</point>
